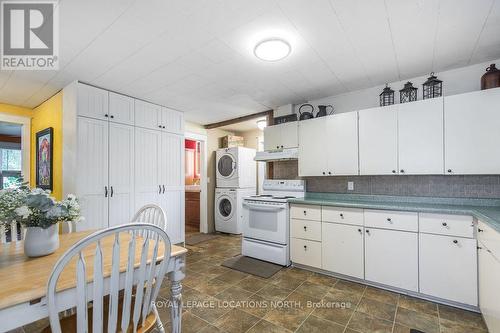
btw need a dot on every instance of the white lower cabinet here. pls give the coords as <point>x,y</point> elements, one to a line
<point>448,268</point>
<point>306,252</point>
<point>342,249</point>
<point>391,258</point>
<point>489,288</point>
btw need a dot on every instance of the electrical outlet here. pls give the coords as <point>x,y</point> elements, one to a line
<point>350,186</point>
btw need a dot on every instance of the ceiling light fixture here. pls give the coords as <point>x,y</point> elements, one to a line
<point>261,124</point>
<point>272,49</point>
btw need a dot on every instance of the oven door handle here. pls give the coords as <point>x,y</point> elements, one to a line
<point>263,207</point>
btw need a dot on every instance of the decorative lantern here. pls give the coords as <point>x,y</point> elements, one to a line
<point>387,96</point>
<point>408,93</point>
<point>432,87</point>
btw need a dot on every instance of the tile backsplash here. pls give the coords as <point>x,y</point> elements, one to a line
<point>487,186</point>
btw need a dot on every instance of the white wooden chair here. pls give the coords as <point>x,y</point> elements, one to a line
<point>152,214</point>
<point>138,312</point>
<point>13,233</point>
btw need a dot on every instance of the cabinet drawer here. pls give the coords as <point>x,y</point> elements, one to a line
<point>306,252</point>
<point>342,215</point>
<point>451,225</point>
<point>306,212</point>
<point>395,220</point>
<point>490,238</point>
<point>305,229</point>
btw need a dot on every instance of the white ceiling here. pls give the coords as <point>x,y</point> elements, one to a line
<point>197,55</point>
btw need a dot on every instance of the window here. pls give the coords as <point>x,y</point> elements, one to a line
<point>11,167</point>
<point>11,160</point>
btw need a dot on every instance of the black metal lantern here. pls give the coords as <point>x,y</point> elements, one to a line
<point>408,93</point>
<point>432,87</point>
<point>387,96</point>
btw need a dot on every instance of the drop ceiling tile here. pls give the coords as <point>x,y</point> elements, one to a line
<point>460,24</point>
<point>217,51</point>
<point>414,25</point>
<point>488,46</point>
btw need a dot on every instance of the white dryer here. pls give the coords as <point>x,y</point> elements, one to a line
<point>236,167</point>
<point>229,209</point>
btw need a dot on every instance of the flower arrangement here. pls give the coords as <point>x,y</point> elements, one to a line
<point>36,208</point>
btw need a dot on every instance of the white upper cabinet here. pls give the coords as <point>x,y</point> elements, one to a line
<point>281,136</point>
<point>121,109</point>
<point>312,157</point>
<point>420,137</point>
<point>147,115</point>
<point>472,123</point>
<point>289,134</point>
<point>341,144</point>
<point>172,120</point>
<point>92,102</point>
<point>272,137</point>
<point>378,143</point>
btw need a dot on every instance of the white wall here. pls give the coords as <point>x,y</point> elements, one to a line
<point>455,81</point>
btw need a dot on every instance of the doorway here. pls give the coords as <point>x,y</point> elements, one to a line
<point>195,181</point>
<point>15,133</point>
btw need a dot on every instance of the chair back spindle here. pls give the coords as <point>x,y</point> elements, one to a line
<point>140,284</point>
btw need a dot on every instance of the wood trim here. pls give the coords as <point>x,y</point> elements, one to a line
<point>9,138</point>
<point>268,114</point>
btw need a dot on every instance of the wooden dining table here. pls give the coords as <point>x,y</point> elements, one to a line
<point>23,280</point>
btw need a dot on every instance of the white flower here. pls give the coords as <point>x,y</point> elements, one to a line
<point>23,211</point>
<point>71,197</point>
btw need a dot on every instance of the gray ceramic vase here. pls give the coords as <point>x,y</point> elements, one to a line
<point>41,242</point>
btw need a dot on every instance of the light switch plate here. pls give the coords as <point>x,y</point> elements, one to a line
<point>350,186</point>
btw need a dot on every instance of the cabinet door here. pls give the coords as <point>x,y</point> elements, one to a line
<point>391,258</point>
<point>289,135</point>
<point>171,151</point>
<point>92,173</point>
<point>147,115</point>
<point>121,109</point>
<point>489,289</point>
<point>147,182</point>
<point>312,157</point>
<point>173,120</point>
<point>420,137</point>
<point>121,174</point>
<point>471,127</point>
<point>341,146</point>
<point>378,141</point>
<point>342,248</point>
<point>172,202</point>
<point>448,268</point>
<point>272,137</point>
<point>92,102</point>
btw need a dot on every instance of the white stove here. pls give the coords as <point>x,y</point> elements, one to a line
<point>266,230</point>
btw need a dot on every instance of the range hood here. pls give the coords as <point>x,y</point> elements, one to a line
<point>277,155</point>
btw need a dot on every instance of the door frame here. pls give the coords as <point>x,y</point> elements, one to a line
<point>25,123</point>
<point>203,182</point>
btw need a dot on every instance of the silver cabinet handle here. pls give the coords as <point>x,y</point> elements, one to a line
<point>111,195</point>
<point>163,186</point>
<point>105,191</point>
<point>159,189</point>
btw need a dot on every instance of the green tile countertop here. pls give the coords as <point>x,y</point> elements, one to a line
<point>485,210</point>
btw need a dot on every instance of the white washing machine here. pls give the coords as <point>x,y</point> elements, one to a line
<point>229,209</point>
<point>236,167</point>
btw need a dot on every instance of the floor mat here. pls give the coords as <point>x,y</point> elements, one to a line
<point>252,266</point>
<point>199,238</point>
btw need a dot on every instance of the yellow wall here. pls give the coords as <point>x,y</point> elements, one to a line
<point>15,110</point>
<point>49,114</point>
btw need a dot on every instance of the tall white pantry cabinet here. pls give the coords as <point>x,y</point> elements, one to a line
<point>120,153</point>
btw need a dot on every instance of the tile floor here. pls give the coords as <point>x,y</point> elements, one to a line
<point>341,306</point>
<point>280,304</point>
